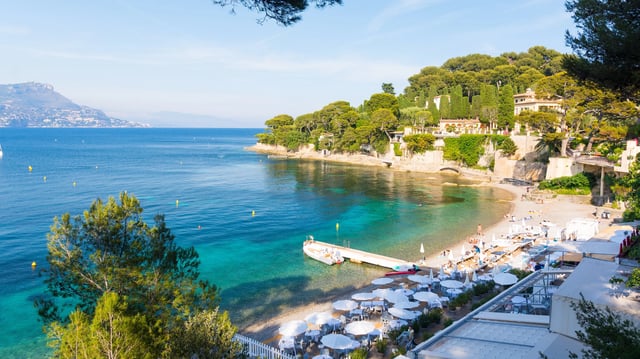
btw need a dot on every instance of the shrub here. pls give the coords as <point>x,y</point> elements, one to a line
<point>396,149</point>
<point>360,353</point>
<point>579,183</point>
<point>420,143</point>
<point>426,336</point>
<point>634,278</point>
<point>448,322</point>
<point>381,345</point>
<point>435,315</point>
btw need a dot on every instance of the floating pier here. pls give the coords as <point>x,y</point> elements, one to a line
<point>358,256</point>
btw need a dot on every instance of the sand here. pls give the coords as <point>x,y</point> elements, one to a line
<point>556,209</point>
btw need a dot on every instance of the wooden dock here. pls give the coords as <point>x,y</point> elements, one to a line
<point>358,256</point>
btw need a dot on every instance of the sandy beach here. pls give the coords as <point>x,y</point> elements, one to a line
<point>555,209</point>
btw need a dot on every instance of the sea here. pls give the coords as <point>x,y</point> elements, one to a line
<point>246,214</point>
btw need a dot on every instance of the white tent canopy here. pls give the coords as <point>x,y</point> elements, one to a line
<point>582,228</point>
<point>593,274</point>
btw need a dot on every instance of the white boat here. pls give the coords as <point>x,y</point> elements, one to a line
<point>320,253</point>
<point>0,151</point>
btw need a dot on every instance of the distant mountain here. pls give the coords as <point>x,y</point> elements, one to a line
<point>34,104</point>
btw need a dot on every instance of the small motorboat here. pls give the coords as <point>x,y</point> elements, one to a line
<point>326,255</point>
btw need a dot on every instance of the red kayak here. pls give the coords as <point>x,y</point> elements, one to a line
<point>388,274</point>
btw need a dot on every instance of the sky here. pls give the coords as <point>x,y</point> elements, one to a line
<point>190,63</point>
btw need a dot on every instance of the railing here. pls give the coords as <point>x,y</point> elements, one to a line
<point>256,349</point>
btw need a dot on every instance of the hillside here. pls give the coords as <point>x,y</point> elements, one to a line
<point>34,104</point>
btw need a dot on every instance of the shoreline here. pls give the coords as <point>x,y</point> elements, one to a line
<point>559,210</point>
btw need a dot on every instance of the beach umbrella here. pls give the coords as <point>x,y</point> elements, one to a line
<point>345,304</point>
<point>474,277</point>
<point>421,279</point>
<point>395,297</point>
<point>382,292</point>
<point>463,251</point>
<point>319,318</point>
<point>363,296</point>
<point>450,255</point>
<point>360,327</point>
<point>441,273</point>
<point>402,313</point>
<point>451,283</point>
<point>382,281</point>
<point>431,275</point>
<point>336,341</point>
<point>466,280</point>
<point>425,296</point>
<point>505,279</point>
<point>293,328</point>
<point>406,305</point>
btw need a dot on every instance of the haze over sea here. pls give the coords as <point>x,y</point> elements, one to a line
<point>207,186</point>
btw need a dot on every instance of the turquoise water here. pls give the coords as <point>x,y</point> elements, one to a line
<point>207,186</point>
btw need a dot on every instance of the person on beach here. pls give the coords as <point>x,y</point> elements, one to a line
<point>479,229</point>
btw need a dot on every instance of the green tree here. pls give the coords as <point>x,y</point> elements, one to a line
<point>387,87</point>
<point>110,249</point>
<point>605,332</point>
<point>632,181</point>
<point>383,100</point>
<point>508,147</point>
<point>419,143</point>
<point>206,334</point>
<point>606,46</point>
<point>385,121</point>
<point>506,108</point>
<point>284,12</point>
<point>111,333</point>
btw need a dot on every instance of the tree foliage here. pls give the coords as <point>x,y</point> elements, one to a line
<point>605,332</point>
<point>284,12</point>
<point>606,46</point>
<point>419,143</point>
<point>109,267</point>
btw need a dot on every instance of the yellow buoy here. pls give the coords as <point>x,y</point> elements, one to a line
<point>74,183</point>
<point>44,178</point>
<point>253,213</point>
<point>30,168</point>
<point>33,264</point>
<point>177,203</point>
<point>337,226</point>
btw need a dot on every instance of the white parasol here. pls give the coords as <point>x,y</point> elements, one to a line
<point>293,328</point>
<point>518,299</point>
<point>441,273</point>
<point>425,296</point>
<point>431,274</point>
<point>336,341</point>
<point>395,297</point>
<point>474,277</point>
<point>449,283</point>
<point>363,296</point>
<point>422,279</point>
<point>406,305</point>
<point>360,327</point>
<point>402,313</point>
<point>505,279</point>
<point>382,281</point>
<point>319,318</point>
<point>345,304</point>
<point>422,248</point>
<point>382,292</point>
